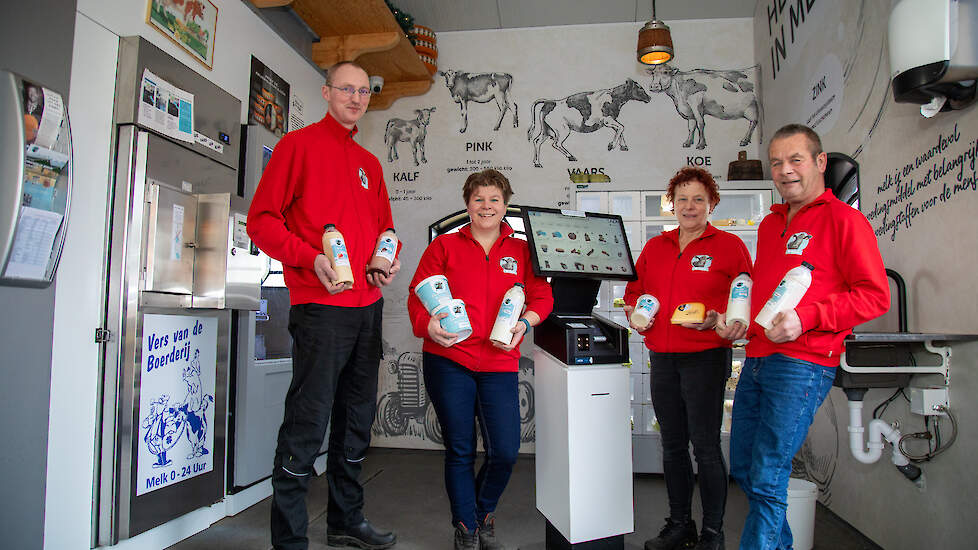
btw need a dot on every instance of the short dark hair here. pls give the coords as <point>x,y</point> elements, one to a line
<point>330,71</point>
<point>486,178</point>
<point>689,174</point>
<point>788,130</point>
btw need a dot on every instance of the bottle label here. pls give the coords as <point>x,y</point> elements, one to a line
<point>779,292</point>
<point>506,310</point>
<point>340,256</point>
<point>739,291</point>
<point>386,249</point>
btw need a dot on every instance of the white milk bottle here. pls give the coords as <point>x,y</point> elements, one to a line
<point>335,248</point>
<point>738,306</point>
<point>509,314</point>
<point>646,307</point>
<point>787,294</point>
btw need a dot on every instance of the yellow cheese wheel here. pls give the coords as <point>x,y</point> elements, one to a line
<point>691,312</point>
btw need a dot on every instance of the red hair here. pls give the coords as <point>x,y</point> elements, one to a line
<point>691,173</point>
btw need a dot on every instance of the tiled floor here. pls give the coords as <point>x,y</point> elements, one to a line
<point>405,492</point>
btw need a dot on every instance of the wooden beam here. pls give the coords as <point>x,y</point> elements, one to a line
<point>270,3</point>
<point>396,90</point>
<point>332,49</point>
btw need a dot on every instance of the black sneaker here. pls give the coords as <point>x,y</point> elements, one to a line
<point>362,535</point>
<point>465,539</point>
<point>673,536</point>
<point>487,534</point>
<point>710,540</point>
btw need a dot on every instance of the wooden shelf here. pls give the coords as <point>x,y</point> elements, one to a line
<point>364,31</point>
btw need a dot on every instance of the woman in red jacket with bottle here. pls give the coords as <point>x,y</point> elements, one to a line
<point>476,377</point>
<point>690,363</point>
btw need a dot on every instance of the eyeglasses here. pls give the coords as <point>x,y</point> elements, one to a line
<point>348,91</point>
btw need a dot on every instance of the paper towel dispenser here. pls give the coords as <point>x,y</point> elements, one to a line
<point>934,53</point>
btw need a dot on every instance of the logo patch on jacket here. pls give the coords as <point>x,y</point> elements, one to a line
<point>797,243</point>
<point>363,179</point>
<point>509,265</point>
<point>701,262</point>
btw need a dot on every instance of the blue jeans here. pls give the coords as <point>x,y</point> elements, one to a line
<point>776,400</point>
<point>460,396</point>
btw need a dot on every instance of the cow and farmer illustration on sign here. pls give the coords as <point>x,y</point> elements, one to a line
<point>166,424</point>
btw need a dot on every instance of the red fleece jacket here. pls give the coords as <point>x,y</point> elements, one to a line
<point>701,273</point>
<point>849,285</point>
<point>320,175</point>
<point>480,281</point>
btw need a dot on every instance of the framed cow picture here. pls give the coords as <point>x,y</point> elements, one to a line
<point>191,24</point>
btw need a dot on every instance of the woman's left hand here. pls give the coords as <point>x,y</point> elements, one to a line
<point>518,331</point>
<point>708,322</point>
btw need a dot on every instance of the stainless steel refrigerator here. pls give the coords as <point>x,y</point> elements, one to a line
<point>179,263</point>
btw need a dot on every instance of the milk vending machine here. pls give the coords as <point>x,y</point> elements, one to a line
<point>179,262</point>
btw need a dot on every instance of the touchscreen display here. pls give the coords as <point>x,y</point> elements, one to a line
<point>578,244</point>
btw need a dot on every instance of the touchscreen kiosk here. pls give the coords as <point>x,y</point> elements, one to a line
<point>578,250</point>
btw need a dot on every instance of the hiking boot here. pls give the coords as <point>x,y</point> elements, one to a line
<point>710,540</point>
<point>465,539</point>
<point>487,534</point>
<point>674,536</point>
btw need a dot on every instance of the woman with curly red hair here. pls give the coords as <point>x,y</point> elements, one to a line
<point>690,362</point>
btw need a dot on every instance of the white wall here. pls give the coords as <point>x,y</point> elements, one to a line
<point>75,356</point>
<point>935,251</point>
<point>549,62</point>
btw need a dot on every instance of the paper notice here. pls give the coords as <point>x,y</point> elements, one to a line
<point>176,240</point>
<point>165,108</point>
<point>51,119</point>
<point>33,243</point>
<point>295,114</point>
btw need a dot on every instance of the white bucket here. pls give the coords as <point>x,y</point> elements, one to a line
<point>801,512</point>
<point>433,292</point>
<point>457,321</point>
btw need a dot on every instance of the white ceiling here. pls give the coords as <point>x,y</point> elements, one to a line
<point>464,15</point>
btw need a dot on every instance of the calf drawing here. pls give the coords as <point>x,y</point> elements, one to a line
<point>414,131</point>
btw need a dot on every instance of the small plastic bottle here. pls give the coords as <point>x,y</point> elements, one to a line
<point>509,314</point>
<point>384,254</point>
<point>738,305</point>
<point>787,294</point>
<point>646,307</point>
<point>335,249</point>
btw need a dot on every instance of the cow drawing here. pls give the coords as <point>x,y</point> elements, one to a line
<point>727,95</point>
<point>480,88</point>
<point>414,131</point>
<point>583,112</point>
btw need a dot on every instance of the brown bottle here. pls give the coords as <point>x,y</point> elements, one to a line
<point>384,253</point>
<point>335,249</point>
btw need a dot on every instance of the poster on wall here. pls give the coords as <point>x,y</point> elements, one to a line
<point>165,108</point>
<point>269,98</point>
<point>191,24</point>
<point>176,400</point>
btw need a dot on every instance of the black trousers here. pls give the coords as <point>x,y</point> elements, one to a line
<point>687,395</point>
<point>335,356</point>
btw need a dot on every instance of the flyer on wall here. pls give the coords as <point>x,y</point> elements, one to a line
<point>165,108</point>
<point>176,400</point>
<point>268,98</point>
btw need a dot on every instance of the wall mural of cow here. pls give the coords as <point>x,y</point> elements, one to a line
<point>583,112</point>
<point>481,88</point>
<point>414,131</point>
<point>723,94</point>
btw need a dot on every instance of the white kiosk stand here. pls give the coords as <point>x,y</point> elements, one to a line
<point>583,453</point>
<point>583,420</point>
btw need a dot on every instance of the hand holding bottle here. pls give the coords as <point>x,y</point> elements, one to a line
<point>437,333</point>
<point>324,271</point>
<point>786,327</point>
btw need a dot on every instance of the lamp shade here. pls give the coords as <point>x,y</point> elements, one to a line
<point>654,43</point>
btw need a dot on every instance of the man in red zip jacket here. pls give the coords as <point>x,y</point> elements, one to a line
<point>319,175</point>
<point>790,367</point>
